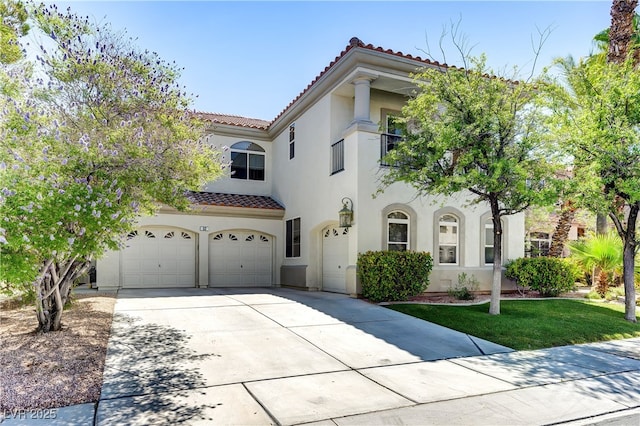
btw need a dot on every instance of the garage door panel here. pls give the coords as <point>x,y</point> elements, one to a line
<point>159,257</point>
<point>240,259</point>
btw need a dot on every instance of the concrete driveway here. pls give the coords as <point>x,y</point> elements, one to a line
<point>279,356</point>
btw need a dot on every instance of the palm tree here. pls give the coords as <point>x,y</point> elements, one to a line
<point>623,33</point>
<point>625,27</point>
<point>599,255</point>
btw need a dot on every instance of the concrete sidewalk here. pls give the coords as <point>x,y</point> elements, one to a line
<point>278,356</point>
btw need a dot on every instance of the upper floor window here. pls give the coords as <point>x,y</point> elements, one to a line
<point>337,157</point>
<point>391,136</point>
<point>247,161</point>
<point>448,239</point>
<point>292,141</point>
<point>292,238</point>
<point>397,231</point>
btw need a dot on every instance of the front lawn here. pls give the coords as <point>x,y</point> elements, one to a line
<point>532,324</point>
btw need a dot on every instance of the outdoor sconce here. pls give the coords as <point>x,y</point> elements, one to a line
<point>346,214</point>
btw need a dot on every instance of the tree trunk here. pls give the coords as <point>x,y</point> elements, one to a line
<point>628,264</point>
<point>621,30</point>
<point>561,233</point>
<point>602,227</point>
<point>496,286</point>
<point>53,288</point>
<point>628,259</point>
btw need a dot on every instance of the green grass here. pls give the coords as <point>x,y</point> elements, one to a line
<point>532,324</point>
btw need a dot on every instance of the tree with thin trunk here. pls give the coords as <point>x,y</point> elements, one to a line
<point>595,119</point>
<point>103,138</point>
<point>471,134</point>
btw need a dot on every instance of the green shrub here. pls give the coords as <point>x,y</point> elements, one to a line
<point>465,288</point>
<point>593,295</point>
<point>548,275</point>
<point>393,275</point>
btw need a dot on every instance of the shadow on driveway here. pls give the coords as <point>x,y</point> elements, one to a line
<point>150,362</point>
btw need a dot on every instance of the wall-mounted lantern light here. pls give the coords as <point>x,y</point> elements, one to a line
<point>346,214</point>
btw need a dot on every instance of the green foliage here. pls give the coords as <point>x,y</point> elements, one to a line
<point>465,288</point>
<point>13,24</point>
<point>601,254</point>
<point>104,137</point>
<point>468,131</point>
<point>547,275</point>
<point>595,116</point>
<point>393,275</point>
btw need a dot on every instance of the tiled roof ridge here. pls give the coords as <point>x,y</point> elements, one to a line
<point>235,200</point>
<point>355,42</point>
<point>235,120</point>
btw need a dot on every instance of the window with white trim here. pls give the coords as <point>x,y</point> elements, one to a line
<point>489,253</point>
<point>398,231</point>
<point>448,240</point>
<point>247,161</point>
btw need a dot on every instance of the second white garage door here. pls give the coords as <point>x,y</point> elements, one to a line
<point>240,259</point>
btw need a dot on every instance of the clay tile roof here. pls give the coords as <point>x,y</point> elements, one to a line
<point>355,42</point>
<point>235,200</point>
<point>234,120</point>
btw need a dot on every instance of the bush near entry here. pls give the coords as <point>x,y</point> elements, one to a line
<point>548,275</point>
<point>393,275</point>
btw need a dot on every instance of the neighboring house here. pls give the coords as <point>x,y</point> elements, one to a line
<point>540,226</point>
<point>273,221</point>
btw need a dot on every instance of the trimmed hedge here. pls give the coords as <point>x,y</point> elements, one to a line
<point>393,275</point>
<point>548,275</point>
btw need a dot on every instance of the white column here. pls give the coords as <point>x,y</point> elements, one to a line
<point>361,110</point>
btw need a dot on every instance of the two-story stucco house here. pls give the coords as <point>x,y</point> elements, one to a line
<point>273,220</point>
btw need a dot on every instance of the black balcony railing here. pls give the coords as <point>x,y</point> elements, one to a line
<point>337,157</point>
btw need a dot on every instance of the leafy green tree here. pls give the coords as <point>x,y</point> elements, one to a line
<point>105,137</point>
<point>469,133</point>
<point>13,24</point>
<point>596,114</point>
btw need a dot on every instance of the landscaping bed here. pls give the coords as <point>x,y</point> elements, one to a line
<point>54,369</point>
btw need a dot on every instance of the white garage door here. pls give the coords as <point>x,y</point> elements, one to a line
<point>240,259</point>
<point>159,257</point>
<point>335,257</point>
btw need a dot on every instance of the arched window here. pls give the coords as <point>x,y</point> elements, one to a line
<point>247,161</point>
<point>448,241</point>
<point>398,231</point>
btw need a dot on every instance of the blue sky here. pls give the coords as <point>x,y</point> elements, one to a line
<point>253,58</point>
